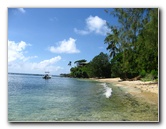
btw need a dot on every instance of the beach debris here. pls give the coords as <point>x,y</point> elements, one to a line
<point>120,80</point>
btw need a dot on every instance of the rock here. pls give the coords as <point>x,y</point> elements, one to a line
<point>120,80</point>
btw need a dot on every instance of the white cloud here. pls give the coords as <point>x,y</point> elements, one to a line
<point>15,50</point>
<point>29,57</point>
<point>18,62</point>
<point>22,10</point>
<point>65,46</point>
<point>46,63</point>
<point>82,32</point>
<point>34,67</point>
<point>94,25</point>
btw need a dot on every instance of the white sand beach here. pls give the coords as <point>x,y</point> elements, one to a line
<point>146,90</point>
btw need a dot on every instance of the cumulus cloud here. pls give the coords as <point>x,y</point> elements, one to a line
<point>22,10</point>
<point>18,62</point>
<point>46,63</point>
<point>94,25</point>
<point>28,67</point>
<point>65,46</point>
<point>15,50</point>
<point>35,67</point>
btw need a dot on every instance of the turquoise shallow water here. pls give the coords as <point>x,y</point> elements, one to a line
<point>31,98</point>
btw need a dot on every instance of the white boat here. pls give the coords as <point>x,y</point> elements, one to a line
<point>47,76</point>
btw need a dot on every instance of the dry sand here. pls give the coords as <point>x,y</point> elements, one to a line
<point>148,91</point>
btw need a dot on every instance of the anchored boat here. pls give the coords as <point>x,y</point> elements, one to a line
<point>47,76</point>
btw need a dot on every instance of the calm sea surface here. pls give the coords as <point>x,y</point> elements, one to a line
<point>31,98</point>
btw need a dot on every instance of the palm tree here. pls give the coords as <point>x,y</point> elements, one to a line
<point>112,41</point>
<point>69,63</point>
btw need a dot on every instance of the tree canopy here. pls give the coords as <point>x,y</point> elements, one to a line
<point>137,39</point>
<point>98,67</point>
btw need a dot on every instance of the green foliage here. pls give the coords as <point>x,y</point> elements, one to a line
<point>154,74</point>
<point>136,39</point>
<point>98,67</point>
<point>77,72</point>
<point>80,62</point>
<point>112,41</point>
<point>148,77</point>
<point>116,65</point>
<point>143,73</point>
<point>147,44</point>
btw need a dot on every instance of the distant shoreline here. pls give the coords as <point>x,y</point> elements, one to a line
<point>147,90</point>
<point>31,74</point>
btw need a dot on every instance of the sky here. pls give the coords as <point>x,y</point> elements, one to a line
<point>46,39</point>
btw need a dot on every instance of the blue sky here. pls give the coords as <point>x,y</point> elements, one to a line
<point>46,39</point>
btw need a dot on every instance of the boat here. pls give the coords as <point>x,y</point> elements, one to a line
<point>47,76</point>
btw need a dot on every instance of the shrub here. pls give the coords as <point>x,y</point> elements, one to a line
<point>154,74</point>
<point>143,73</point>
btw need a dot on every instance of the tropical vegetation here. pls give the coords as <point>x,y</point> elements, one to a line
<point>132,47</point>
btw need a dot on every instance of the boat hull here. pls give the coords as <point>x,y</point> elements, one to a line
<point>46,77</point>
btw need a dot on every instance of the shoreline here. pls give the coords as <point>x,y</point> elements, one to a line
<point>145,90</point>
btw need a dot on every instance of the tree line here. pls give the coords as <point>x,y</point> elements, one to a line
<point>99,67</point>
<point>132,46</point>
<point>134,43</point>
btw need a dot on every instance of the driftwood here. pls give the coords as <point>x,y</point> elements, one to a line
<point>134,79</point>
<point>150,83</point>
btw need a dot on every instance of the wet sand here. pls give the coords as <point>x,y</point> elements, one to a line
<point>148,91</point>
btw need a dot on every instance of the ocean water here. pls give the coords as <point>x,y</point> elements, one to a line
<point>33,99</point>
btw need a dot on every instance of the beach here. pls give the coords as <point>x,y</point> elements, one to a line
<point>147,91</point>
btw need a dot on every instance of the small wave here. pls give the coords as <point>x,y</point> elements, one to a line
<point>108,90</point>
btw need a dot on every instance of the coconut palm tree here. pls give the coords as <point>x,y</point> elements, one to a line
<point>69,64</point>
<point>112,41</point>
